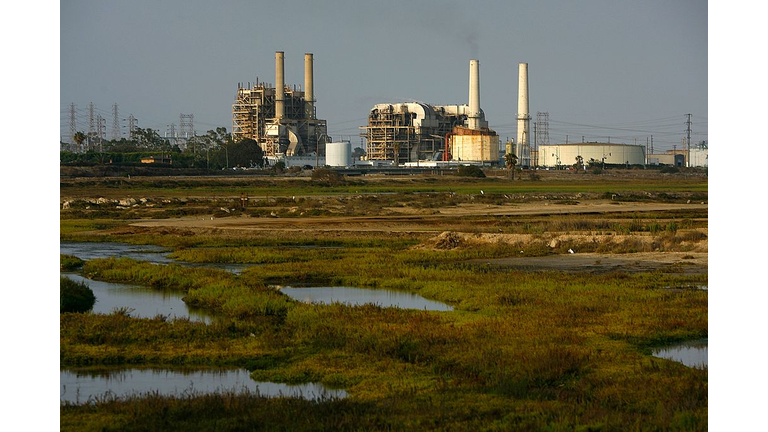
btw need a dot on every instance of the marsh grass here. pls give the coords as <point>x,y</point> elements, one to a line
<point>563,343</point>
<point>69,262</point>
<point>520,351</point>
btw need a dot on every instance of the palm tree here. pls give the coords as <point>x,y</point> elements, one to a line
<point>510,159</point>
<point>79,137</point>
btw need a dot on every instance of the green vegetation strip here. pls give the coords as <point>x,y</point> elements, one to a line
<point>544,350</point>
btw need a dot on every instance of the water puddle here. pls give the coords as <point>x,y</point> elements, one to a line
<point>145,302</point>
<point>93,250</point>
<point>148,253</point>
<point>361,296</point>
<point>85,386</point>
<point>692,353</point>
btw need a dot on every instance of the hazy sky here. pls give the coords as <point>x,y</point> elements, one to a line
<point>620,69</point>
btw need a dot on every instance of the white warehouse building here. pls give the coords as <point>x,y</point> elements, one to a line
<point>591,153</point>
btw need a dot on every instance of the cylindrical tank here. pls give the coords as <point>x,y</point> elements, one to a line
<point>338,154</point>
<point>591,154</point>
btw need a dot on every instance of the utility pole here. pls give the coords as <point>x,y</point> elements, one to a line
<point>688,141</point>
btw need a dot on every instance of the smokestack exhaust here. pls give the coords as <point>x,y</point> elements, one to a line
<point>309,83</point>
<point>473,117</point>
<point>279,85</point>
<point>523,116</point>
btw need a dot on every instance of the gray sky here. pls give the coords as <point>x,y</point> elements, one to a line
<point>620,69</point>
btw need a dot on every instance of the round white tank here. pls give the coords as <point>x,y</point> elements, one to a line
<point>338,154</point>
<point>591,153</point>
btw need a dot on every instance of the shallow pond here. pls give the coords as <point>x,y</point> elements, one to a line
<point>145,302</point>
<point>148,253</point>
<point>360,296</point>
<point>85,386</point>
<point>691,353</point>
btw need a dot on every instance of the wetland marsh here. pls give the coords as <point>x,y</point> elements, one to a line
<point>525,342</point>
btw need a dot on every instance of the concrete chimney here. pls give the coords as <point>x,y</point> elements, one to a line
<point>473,116</point>
<point>523,116</point>
<point>279,85</point>
<point>309,83</point>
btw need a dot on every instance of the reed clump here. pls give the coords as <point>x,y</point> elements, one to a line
<point>75,296</point>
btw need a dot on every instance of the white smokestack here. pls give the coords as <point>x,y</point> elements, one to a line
<point>279,85</point>
<point>309,91</point>
<point>473,116</point>
<point>523,116</point>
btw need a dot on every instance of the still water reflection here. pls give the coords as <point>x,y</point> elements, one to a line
<point>83,387</point>
<point>360,296</point>
<point>148,253</point>
<point>691,353</point>
<point>145,302</point>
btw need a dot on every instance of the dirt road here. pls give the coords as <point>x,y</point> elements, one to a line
<point>409,220</point>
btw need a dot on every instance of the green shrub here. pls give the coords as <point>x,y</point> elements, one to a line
<point>69,262</point>
<point>75,296</point>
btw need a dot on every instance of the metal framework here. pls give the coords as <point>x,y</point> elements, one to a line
<point>253,116</point>
<point>186,126</point>
<point>392,135</point>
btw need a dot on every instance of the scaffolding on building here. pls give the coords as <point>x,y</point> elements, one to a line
<point>408,132</point>
<point>253,116</point>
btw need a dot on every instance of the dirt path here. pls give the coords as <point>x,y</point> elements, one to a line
<point>678,262</point>
<point>413,222</point>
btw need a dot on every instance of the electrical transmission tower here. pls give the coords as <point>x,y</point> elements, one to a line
<point>131,127</point>
<point>115,123</point>
<point>542,131</point>
<point>186,125</point>
<point>101,133</point>
<point>542,128</point>
<point>688,141</point>
<point>91,125</point>
<point>72,124</point>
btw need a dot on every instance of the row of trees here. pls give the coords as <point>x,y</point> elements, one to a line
<point>213,150</point>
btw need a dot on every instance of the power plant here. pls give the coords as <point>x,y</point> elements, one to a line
<point>280,118</point>
<point>413,131</point>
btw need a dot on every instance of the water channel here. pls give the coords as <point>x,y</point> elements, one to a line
<point>361,296</point>
<point>144,302</point>
<point>148,253</point>
<point>692,353</point>
<point>87,386</point>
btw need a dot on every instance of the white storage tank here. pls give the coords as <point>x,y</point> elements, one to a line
<point>338,154</point>
<point>592,153</point>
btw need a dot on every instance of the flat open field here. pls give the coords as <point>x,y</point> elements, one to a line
<point>560,285</point>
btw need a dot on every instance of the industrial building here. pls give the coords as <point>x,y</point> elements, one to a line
<point>409,132</point>
<point>281,118</point>
<point>695,157</point>
<point>592,153</point>
<point>412,131</point>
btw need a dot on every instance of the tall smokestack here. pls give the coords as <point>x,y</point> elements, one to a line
<point>279,85</point>
<point>309,83</point>
<point>523,116</point>
<point>473,117</point>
